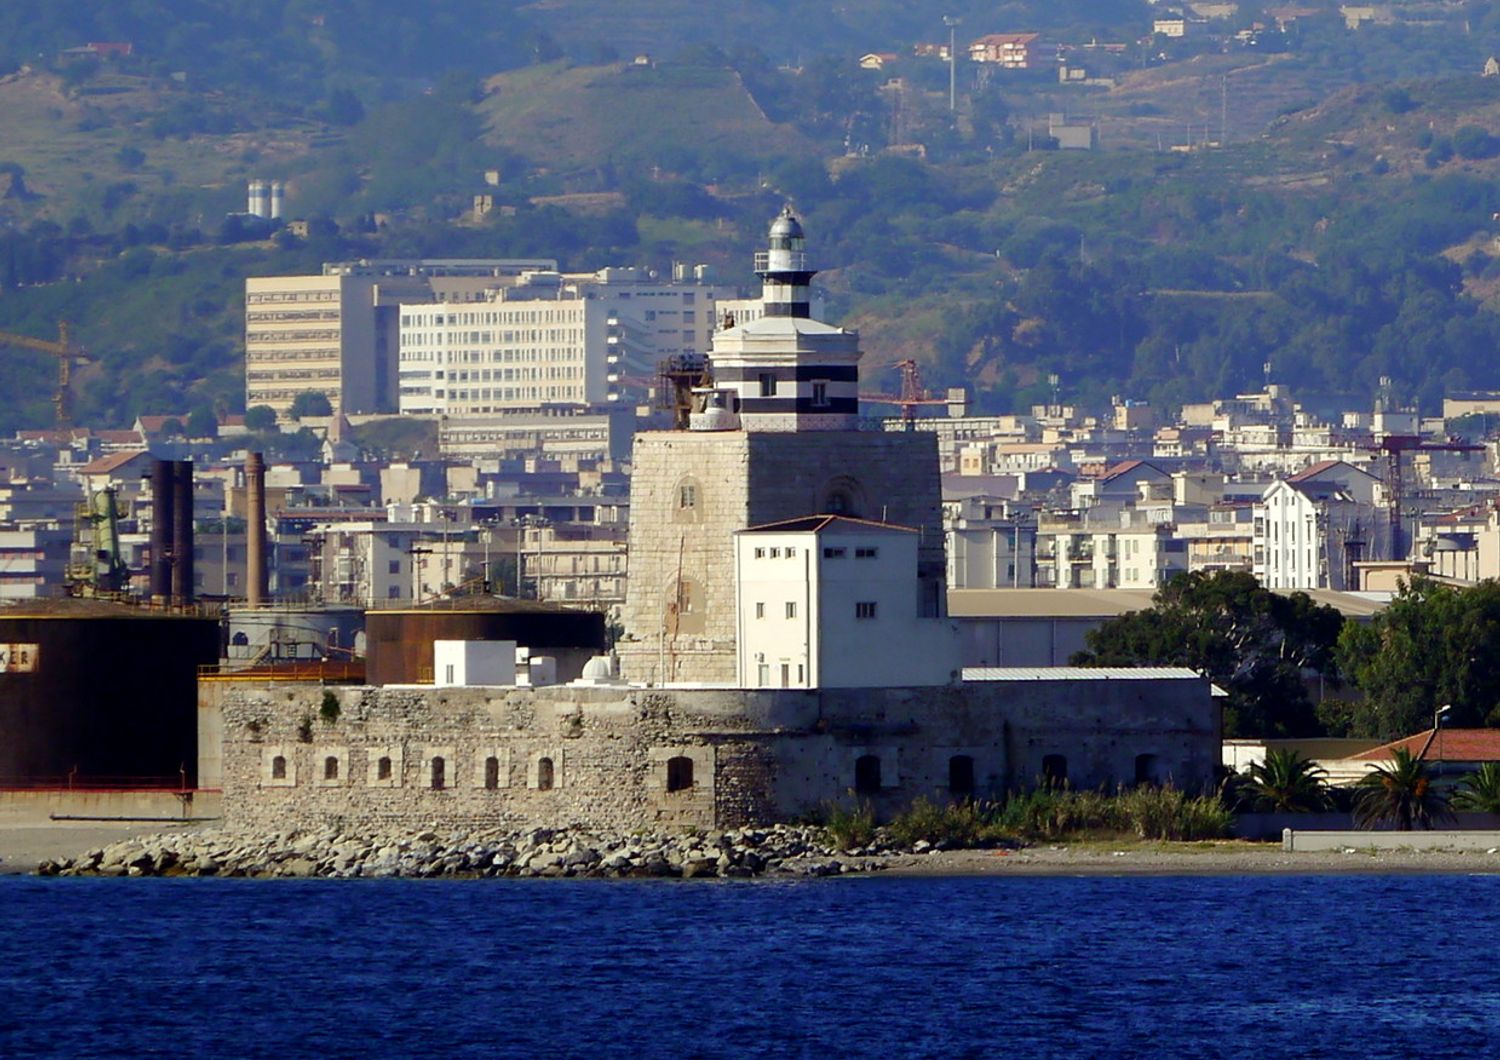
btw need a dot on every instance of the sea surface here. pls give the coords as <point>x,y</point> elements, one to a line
<point>1258,967</point>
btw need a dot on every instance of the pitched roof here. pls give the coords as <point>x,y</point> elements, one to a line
<point>1448,745</point>
<point>1314,470</point>
<point>819,523</point>
<point>1005,38</point>
<point>153,424</point>
<point>104,465</point>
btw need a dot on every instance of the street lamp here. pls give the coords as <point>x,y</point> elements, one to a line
<point>1437,722</point>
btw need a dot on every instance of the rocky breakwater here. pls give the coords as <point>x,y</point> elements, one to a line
<point>780,850</point>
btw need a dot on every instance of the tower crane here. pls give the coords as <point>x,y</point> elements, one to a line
<point>1395,446</point>
<point>912,393</point>
<point>67,354</point>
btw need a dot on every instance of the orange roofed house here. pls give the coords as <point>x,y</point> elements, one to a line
<point>1014,51</point>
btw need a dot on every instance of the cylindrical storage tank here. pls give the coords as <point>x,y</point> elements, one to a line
<point>398,645</point>
<point>278,197</point>
<point>299,633</point>
<point>101,692</point>
<point>162,497</point>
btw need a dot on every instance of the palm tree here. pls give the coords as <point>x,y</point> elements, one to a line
<point>1400,793</point>
<point>1286,783</point>
<point>1479,792</point>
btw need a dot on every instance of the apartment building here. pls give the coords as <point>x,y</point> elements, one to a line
<point>549,339</point>
<point>336,334</point>
<point>1311,529</point>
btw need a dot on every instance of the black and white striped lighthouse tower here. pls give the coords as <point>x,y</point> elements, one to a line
<point>785,370</point>
<point>784,275</point>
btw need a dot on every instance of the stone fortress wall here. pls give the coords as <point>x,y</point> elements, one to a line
<point>691,490</point>
<point>628,758</point>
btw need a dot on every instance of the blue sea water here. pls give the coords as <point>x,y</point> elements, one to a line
<point>1159,966</point>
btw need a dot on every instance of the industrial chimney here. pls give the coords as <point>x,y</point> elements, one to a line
<point>182,532</point>
<point>255,528</point>
<point>161,531</point>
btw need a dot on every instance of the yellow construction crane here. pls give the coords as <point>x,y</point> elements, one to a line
<point>66,353</point>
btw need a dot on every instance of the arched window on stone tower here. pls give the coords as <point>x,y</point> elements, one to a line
<point>842,495</point>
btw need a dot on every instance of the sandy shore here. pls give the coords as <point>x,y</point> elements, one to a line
<point>23,846</point>
<point>1228,858</point>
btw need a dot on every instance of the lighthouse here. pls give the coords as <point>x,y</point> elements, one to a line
<point>782,441</point>
<point>785,370</point>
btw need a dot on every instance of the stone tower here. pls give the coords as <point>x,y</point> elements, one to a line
<point>778,438</point>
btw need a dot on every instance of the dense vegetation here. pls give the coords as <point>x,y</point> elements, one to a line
<point>1255,644</point>
<point>1342,231</point>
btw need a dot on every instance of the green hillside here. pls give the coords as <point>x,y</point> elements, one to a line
<point>582,119</point>
<point>1322,199</point>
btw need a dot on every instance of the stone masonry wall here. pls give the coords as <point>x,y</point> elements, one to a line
<point>756,757</point>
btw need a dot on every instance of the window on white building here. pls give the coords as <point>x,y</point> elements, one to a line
<point>791,609</point>
<point>864,609</point>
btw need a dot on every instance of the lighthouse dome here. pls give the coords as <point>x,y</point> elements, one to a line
<point>786,226</point>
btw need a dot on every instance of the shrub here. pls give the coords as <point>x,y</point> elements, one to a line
<point>1148,812</point>
<point>1168,813</point>
<point>329,710</point>
<point>964,824</point>
<point>848,828</point>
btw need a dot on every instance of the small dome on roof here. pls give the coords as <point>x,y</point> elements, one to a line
<point>599,668</point>
<point>786,225</point>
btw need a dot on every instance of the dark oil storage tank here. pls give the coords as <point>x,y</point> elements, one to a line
<point>100,694</point>
<point>398,644</point>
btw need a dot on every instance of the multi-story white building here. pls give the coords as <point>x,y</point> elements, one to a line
<point>371,562</point>
<point>832,602</point>
<point>549,339</point>
<point>1311,529</point>
<point>335,334</point>
<point>1081,555</point>
<point>989,546</point>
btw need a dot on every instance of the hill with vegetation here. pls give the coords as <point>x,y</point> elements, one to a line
<point>1321,199</point>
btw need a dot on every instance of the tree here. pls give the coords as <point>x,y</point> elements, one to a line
<point>1252,642</point>
<point>202,423</point>
<point>1400,794</point>
<point>311,403</point>
<point>1431,645</point>
<point>1286,783</point>
<point>260,418</point>
<point>1479,792</point>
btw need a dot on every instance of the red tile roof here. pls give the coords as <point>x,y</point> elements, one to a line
<point>113,462</point>
<point>1449,745</point>
<point>1315,470</point>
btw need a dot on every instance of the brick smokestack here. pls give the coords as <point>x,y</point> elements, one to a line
<point>255,529</point>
